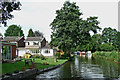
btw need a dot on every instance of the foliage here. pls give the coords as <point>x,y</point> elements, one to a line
<point>43,57</point>
<point>112,55</point>
<point>107,47</point>
<point>31,33</point>
<point>69,30</point>
<point>40,56</point>
<point>13,30</point>
<point>117,41</point>
<point>36,56</point>
<point>58,55</point>
<point>7,7</point>
<point>65,25</point>
<point>96,42</point>
<point>38,34</point>
<point>110,36</point>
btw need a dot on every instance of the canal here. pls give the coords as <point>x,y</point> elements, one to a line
<point>84,68</point>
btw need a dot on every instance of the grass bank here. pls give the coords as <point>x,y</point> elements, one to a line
<point>11,67</point>
<point>113,55</point>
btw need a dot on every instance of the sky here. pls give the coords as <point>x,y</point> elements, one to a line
<point>39,14</point>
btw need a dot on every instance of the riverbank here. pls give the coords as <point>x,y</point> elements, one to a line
<point>112,56</point>
<point>30,73</point>
<point>83,68</point>
<point>20,66</point>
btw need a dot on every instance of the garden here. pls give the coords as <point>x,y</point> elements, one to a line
<point>40,62</point>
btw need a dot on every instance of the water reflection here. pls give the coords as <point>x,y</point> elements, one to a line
<point>85,69</point>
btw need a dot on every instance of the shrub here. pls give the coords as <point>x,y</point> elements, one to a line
<point>58,54</point>
<point>107,47</point>
<point>36,56</point>
<point>42,57</point>
<point>113,54</point>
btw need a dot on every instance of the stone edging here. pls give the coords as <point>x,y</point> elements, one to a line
<point>30,72</point>
<point>21,74</point>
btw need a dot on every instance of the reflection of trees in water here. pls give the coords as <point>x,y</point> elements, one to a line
<point>110,69</point>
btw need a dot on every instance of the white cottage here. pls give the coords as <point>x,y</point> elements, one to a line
<point>48,51</point>
<point>33,45</point>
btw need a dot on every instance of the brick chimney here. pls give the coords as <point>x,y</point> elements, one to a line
<point>19,34</point>
<point>41,35</point>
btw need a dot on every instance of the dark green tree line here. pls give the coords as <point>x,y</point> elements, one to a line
<point>31,33</point>
<point>13,30</point>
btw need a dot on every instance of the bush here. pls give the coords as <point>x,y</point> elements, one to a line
<point>113,54</point>
<point>106,47</point>
<point>58,54</point>
<point>40,56</point>
<point>36,56</point>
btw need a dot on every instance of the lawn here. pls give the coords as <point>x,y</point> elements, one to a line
<point>48,60</point>
<point>11,67</point>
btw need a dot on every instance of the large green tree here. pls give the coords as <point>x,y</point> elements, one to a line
<point>117,41</point>
<point>96,42</point>
<point>6,7</point>
<point>65,26</point>
<point>13,30</point>
<point>110,36</point>
<point>86,26</point>
<point>69,29</point>
<point>31,33</point>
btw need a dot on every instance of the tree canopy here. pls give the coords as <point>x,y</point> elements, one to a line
<point>38,34</point>
<point>109,35</point>
<point>6,8</point>
<point>13,30</point>
<point>96,42</point>
<point>31,33</point>
<point>70,30</point>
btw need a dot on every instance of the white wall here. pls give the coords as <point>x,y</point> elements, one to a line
<point>21,52</point>
<point>47,54</point>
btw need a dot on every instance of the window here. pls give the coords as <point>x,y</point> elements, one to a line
<point>28,43</point>
<point>6,52</point>
<point>35,43</point>
<point>47,51</point>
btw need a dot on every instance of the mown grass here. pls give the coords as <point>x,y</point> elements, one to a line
<point>48,60</point>
<point>113,55</point>
<point>11,67</point>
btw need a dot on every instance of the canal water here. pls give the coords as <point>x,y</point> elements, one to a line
<point>84,68</point>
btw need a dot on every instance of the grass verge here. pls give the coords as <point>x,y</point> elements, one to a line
<point>113,55</point>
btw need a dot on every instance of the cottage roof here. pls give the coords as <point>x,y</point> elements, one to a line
<point>47,46</point>
<point>12,38</point>
<point>34,39</point>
